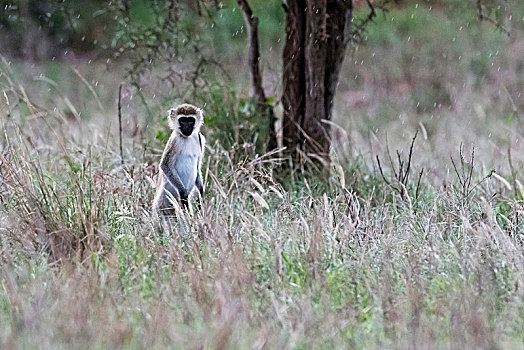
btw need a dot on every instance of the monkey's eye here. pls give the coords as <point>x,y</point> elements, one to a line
<point>186,119</point>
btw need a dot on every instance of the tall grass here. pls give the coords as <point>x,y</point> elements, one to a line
<point>300,264</point>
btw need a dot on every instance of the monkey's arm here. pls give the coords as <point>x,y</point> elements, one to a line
<point>199,183</point>
<point>171,176</point>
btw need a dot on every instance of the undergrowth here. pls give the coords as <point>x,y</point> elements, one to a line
<point>301,263</point>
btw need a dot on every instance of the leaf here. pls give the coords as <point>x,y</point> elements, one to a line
<point>277,192</point>
<point>510,117</point>
<point>257,185</point>
<point>341,176</point>
<point>284,257</point>
<point>258,198</point>
<point>23,108</point>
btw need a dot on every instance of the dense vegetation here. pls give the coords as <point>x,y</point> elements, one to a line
<point>359,260</point>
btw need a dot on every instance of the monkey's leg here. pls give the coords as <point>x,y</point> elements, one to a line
<point>171,198</point>
<point>169,219</point>
<point>184,201</point>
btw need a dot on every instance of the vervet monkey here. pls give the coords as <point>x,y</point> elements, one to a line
<point>181,162</point>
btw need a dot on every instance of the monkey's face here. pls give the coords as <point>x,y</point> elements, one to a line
<point>186,123</point>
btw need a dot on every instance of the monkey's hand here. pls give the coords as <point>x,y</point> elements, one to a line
<point>200,186</point>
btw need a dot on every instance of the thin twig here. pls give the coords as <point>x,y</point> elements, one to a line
<point>486,18</point>
<point>404,167</point>
<point>418,183</point>
<point>120,122</point>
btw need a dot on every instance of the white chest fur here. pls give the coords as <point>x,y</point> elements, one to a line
<point>185,161</point>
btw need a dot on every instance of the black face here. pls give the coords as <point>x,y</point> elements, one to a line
<point>187,124</point>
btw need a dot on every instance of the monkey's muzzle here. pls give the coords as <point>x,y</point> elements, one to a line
<point>187,124</point>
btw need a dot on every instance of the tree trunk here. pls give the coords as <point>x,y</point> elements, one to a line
<point>317,34</point>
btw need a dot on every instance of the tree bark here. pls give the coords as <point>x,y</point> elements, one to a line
<point>293,77</point>
<point>317,34</point>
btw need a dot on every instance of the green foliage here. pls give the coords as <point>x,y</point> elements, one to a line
<point>235,123</point>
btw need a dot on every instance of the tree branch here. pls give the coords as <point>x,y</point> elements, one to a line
<point>254,51</point>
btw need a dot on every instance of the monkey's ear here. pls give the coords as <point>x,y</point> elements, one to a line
<point>171,118</point>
